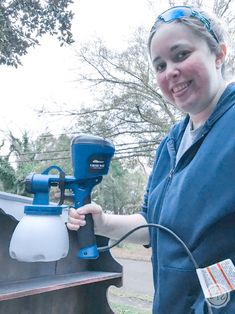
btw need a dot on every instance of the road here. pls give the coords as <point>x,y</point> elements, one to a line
<point>137,287</point>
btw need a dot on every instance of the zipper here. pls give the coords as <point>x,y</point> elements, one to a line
<point>157,219</point>
<point>173,170</point>
<point>170,175</point>
<point>165,188</point>
<point>190,152</point>
<point>172,152</point>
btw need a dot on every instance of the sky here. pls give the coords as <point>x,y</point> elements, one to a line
<point>47,76</point>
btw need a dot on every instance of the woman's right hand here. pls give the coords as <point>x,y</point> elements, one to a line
<point>76,217</point>
<point>109,225</point>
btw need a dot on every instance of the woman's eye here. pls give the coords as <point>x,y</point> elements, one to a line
<point>160,67</point>
<point>182,55</point>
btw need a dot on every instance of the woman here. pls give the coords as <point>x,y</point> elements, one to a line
<point>191,189</point>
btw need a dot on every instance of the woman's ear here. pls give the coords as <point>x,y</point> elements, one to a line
<point>221,55</point>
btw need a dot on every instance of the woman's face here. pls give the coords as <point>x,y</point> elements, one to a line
<point>187,72</point>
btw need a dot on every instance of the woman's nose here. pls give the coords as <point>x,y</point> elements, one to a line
<point>172,71</point>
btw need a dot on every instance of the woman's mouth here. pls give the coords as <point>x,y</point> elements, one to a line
<point>181,87</point>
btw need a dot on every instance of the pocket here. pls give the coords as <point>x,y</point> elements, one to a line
<point>177,291</point>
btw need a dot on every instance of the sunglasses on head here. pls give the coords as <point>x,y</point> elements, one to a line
<point>180,12</point>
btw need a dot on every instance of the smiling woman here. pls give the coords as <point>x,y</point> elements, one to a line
<point>186,68</point>
<point>191,186</point>
<point>188,50</point>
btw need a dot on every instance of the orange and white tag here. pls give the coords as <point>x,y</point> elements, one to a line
<point>217,279</point>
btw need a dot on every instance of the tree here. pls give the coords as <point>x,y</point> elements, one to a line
<point>129,103</point>
<point>23,22</point>
<point>51,150</point>
<point>11,176</point>
<point>26,156</point>
<point>7,173</point>
<point>121,192</point>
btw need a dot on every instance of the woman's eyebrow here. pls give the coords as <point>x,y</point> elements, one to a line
<point>180,45</point>
<point>157,58</point>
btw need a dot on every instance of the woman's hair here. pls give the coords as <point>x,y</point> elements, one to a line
<point>200,30</point>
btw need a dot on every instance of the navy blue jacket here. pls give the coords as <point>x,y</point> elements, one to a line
<point>195,199</point>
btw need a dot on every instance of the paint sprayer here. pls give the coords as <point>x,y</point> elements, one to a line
<point>41,235</point>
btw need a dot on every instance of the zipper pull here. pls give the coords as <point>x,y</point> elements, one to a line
<point>170,175</point>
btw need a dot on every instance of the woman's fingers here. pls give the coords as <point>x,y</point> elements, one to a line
<point>76,217</point>
<point>91,208</point>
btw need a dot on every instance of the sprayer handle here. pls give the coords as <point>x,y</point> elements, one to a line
<point>86,237</point>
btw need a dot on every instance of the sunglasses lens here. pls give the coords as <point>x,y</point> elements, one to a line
<point>175,13</point>
<point>181,12</point>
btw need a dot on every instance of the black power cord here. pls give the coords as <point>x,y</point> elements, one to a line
<point>108,247</point>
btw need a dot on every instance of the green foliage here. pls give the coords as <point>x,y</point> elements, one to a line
<point>7,176</point>
<point>32,156</point>
<point>22,22</point>
<point>121,192</point>
<point>53,151</point>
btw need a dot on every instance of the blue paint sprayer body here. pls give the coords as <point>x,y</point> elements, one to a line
<point>91,156</point>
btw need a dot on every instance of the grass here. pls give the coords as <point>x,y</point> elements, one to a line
<point>124,309</point>
<point>118,292</point>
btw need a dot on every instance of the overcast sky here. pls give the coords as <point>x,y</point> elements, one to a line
<point>47,75</point>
